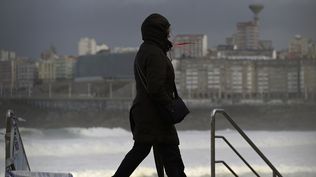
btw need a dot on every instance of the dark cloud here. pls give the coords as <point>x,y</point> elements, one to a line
<point>31,26</point>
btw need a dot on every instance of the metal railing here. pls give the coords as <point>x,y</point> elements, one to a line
<point>275,172</point>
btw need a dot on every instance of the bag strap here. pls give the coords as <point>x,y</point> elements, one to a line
<point>175,90</point>
<point>144,83</point>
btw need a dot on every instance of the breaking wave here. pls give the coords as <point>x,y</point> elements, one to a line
<point>98,151</point>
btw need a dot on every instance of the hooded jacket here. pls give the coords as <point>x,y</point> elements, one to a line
<point>147,122</point>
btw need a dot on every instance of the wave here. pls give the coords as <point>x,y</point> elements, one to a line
<point>200,172</point>
<point>98,151</point>
<point>73,132</point>
<point>150,172</point>
<point>99,132</point>
<point>73,141</point>
<point>203,171</point>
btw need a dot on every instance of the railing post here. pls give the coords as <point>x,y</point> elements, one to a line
<point>8,137</point>
<point>212,146</point>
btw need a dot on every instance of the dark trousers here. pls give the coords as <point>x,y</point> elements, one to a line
<point>169,155</point>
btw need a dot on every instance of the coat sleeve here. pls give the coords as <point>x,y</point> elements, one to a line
<point>156,79</point>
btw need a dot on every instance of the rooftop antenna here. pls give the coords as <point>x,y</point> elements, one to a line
<point>256,9</point>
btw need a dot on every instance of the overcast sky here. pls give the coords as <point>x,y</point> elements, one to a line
<point>31,26</point>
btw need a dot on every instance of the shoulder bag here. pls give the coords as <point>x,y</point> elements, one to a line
<point>177,110</point>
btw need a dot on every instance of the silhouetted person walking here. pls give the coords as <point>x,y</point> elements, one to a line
<point>155,90</point>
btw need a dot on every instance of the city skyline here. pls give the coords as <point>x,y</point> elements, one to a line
<point>32,26</point>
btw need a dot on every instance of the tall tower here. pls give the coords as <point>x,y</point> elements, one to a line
<point>256,9</point>
<point>248,32</point>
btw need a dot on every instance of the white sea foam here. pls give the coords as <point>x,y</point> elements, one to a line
<point>98,151</point>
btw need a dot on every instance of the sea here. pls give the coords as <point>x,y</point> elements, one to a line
<point>97,152</point>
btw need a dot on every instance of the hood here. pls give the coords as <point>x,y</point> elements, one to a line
<point>155,29</point>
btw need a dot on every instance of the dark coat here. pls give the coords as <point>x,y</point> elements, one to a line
<point>148,123</point>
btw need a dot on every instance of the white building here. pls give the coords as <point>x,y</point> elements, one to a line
<point>46,70</point>
<point>246,54</point>
<point>64,68</point>
<point>7,55</point>
<point>102,47</point>
<point>190,46</point>
<point>247,35</point>
<point>124,49</point>
<point>299,46</point>
<point>26,73</point>
<point>87,46</point>
<point>7,74</point>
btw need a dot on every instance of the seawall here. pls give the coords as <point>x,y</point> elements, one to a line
<point>250,117</point>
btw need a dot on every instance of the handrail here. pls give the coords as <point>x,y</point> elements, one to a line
<point>227,166</point>
<point>238,154</point>
<point>276,173</point>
